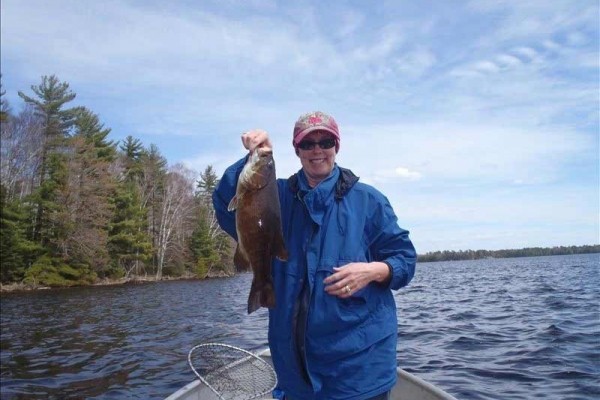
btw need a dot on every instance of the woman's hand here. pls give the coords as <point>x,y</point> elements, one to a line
<point>256,138</point>
<point>352,277</point>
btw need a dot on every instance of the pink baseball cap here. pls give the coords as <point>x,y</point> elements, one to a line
<point>315,121</point>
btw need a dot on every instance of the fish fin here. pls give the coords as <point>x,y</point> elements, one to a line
<point>240,261</point>
<point>260,297</point>
<point>233,204</point>
<point>279,250</point>
<point>253,298</point>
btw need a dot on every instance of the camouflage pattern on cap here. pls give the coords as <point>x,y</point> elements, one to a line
<point>315,121</point>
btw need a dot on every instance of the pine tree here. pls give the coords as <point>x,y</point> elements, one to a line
<point>87,125</point>
<point>52,268</point>
<point>52,96</point>
<point>16,252</point>
<point>204,249</point>
<point>210,244</point>
<point>128,242</point>
<point>133,151</point>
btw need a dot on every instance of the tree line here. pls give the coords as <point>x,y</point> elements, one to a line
<point>76,207</point>
<point>449,255</point>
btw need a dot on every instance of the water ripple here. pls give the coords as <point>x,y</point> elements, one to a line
<point>488,329</point>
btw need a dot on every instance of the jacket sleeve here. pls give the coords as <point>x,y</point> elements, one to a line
<point>392,245</point>
<point>223,194</point>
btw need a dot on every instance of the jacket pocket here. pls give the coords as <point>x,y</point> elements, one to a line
<point>359,296</point>
<point>330,313</point>
<point>339,327</point>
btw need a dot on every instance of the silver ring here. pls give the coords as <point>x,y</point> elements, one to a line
<point>347,289</point>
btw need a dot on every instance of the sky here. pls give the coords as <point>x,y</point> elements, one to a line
<point>479,120</point>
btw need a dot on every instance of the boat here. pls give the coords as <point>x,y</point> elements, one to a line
<point>408,387</point>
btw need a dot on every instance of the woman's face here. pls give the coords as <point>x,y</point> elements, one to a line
<point>317,162</point>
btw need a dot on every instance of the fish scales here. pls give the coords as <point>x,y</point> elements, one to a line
<point>258,226</point>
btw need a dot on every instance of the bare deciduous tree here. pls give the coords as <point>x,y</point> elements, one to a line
<point>87,202</point>
<point>176,212</point>
<point>22,141</point>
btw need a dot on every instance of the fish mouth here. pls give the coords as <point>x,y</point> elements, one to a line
<point>259,155</point>
<point>262,152</point>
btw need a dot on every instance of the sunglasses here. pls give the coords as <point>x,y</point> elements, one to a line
<point>323,144</point>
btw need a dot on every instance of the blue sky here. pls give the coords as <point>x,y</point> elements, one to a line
<point>479,120</point>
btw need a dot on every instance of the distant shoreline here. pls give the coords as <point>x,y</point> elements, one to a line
<point>446,255</point>
<point>461,255</point>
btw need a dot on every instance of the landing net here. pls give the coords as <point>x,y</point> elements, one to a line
<point>231,372</point>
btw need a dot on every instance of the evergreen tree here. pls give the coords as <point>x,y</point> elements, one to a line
<point>128,242</point>
<point>52,268</point>
<point>130,245</point>
<point>210,244</point>
<point>133,151</point>
<point>16,252</point>
<point>88,125</point>
<point>52,96</point>
<point>207,184</point>
<point>203,248</point>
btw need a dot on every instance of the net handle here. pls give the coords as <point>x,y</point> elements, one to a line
<point>227,346</point>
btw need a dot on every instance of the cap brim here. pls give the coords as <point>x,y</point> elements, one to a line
<point>305,132</point>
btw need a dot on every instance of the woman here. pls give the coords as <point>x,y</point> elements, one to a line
<point>333,331</point>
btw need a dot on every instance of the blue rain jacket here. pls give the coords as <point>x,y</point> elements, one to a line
<point>324,347</point>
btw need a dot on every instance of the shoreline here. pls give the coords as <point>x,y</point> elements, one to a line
<point>22,287</point>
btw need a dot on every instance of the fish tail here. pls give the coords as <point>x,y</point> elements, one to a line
<point>261,297</point>
<point>267,298</point>
<point>254,298</point>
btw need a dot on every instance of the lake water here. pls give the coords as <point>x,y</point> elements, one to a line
<point>517,328</point>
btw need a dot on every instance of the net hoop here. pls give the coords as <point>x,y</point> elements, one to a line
<point>266,369</point>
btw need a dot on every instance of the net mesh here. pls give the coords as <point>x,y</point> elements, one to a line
<point>231,372</point>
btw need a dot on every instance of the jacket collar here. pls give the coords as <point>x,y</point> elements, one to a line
<point>345,181</point>
<point>317,200</point>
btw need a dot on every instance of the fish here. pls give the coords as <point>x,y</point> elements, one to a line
<point>258,226</point>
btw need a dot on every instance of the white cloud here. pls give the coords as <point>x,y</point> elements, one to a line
<point>551,45</point>
<point>463,152</point>
<point>415,62</point>
<point>534,19</point>
<point>407,174</point>
<point>527,52</point>
<point>509,60</point>
<point>499,217</point>
<point>577,39</point>
<point>388,40</point>
<point>397,174</point>
<point>441,109</point>
<point>486,66</point>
